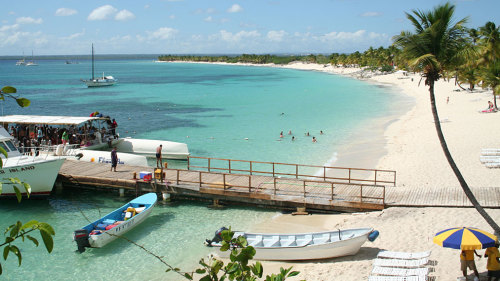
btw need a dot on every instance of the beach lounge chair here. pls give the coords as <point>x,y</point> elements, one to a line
<point>401,263</point>
<point>395,271</point>
<point>397,278</point>
<point>490,151</point>
<point>403,255</point>
<point>492,165</point>
<point>489,159</point>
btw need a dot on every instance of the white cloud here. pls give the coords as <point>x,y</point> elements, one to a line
<point>230,37</point>
<point>276,35</point>
<point>172,17</point>
<point>64,12</point>
<point>208,19</point>
<point>146,6</point>
<point>28,20</point>
<point>102,13</point>
<point>162,33</point>
<point>371,14</point>
<point>6,28</point>
<point>235,9</point>
<point>124,15</point>
<point>75,35</point>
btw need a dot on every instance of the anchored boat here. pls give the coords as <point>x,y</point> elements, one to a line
<point>40,174</point>
<point>99,81</point>
<point>302,246</point>
<point>90,138</point>
<point>106,229</point>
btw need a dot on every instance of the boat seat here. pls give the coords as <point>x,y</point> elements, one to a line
<point>322,239</point>
<point>288,241</point>
<point>271,241</point>
<point>302,241</point>
<point>255,241</point>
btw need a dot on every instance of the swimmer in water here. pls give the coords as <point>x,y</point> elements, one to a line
<point>281,134</point>
<point>314,139</point>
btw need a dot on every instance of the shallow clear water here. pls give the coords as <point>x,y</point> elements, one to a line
<point>223,111</point>
<point>175,231</point>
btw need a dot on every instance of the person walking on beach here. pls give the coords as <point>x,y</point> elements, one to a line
<point>493,264</point>
<point>467,260</point>
<point>114,159</point>
<point>158,156</point>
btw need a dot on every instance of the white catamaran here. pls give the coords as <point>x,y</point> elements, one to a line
<point>90,139</point>
<point>99,81</point>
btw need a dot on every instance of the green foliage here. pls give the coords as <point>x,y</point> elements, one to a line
<point>9,91</point>
<point>238,268</point>
<point>18,230</point>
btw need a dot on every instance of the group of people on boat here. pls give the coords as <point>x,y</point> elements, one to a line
<point>29,137</point>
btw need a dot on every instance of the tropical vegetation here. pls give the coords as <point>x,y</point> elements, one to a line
<point>19,230</point>
<point>439,46</point>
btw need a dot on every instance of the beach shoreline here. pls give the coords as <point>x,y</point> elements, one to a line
<point>411,147</point>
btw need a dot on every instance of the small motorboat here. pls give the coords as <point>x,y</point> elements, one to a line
<point>108,228</point>
<point>302,246</point>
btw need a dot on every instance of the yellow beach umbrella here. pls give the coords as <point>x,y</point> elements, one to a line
<point>465,238</point>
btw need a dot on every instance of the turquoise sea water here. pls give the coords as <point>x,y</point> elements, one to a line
<point>223,111</point>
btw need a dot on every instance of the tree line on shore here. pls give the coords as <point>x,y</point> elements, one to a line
<point>476,65</point>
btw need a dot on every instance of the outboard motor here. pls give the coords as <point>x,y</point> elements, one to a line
<point>217,238</point>
<point>81,236</point>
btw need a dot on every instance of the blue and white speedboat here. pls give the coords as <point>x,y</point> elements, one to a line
<point>106,229</point>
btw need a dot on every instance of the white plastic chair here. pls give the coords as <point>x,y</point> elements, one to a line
<point>401,263</point>
<point>403,255</point>
<point>394,271</point>
<point>397,278</point>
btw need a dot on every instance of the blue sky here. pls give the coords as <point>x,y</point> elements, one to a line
<point>65,27</point>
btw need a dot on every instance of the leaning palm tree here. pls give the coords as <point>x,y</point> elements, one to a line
<point>434,48</point>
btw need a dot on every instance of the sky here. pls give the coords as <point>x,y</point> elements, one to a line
<point>68,27</point>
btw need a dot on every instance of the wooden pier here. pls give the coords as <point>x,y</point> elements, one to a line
<point>275,185</point>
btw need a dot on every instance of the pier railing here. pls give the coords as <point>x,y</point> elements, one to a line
<point>298,171</point>
<point>364,196</point>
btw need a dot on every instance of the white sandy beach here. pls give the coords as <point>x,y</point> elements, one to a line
<point>413,150</point>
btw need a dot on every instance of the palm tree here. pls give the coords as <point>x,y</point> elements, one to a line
<point>433,49</point>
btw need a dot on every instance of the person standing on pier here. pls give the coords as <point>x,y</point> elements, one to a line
<point>158,156</point>
<point>114,159</point>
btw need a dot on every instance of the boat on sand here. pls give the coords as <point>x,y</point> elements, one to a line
<point>106,229</point>
<point>302,246</point>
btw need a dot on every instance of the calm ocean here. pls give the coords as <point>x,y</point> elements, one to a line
<point>223,111</point>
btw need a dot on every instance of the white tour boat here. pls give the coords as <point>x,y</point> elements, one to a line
<point>40,174</point>
<point>95,144</point>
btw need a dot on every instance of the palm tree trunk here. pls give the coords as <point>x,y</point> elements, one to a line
<point>454,167</point>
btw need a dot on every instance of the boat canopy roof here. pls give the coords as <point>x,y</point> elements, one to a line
<point>48,120</point>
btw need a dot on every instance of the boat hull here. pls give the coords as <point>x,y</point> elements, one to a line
<point>145,147</point>
<point>148,201</point>
<point>40,175</point>
<point>336,248</point>
<point>99,83</point>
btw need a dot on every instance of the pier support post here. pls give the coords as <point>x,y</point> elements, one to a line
<point>165,196</point>
<point>59,187</point>
<point>122,192</point>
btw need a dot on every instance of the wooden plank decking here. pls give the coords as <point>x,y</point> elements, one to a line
<point>280,192</point>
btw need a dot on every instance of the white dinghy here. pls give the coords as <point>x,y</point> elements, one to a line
<point>302,246</point>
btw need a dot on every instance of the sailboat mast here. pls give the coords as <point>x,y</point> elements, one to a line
<point>92,61</point>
